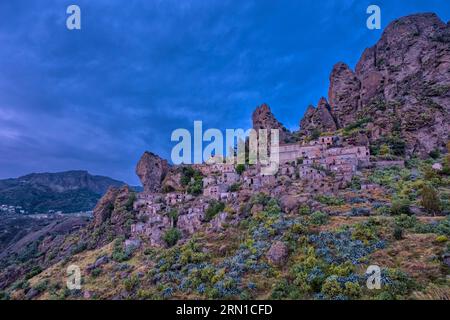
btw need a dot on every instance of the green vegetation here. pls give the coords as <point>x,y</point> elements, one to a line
<point>240,168</point>
<point>430,199</point>
<point>172,236</point>
<point>315,134</point>
<point>400,206</point>
<point>213,209</point>
<point>330,200</point>
<point>119,254</point>
<point>193,180</point>
<point>356,125</point>
<point>235,187</point>
<point>319,218</point>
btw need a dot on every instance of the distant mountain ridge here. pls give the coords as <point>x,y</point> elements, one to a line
<point>69,191</point>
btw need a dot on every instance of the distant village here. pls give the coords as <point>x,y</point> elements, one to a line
<point>8,209</point>
<point>19,210</point>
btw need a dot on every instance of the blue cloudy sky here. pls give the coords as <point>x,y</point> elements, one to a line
<point>95,99</point>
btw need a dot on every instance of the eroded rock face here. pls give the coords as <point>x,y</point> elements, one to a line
<point>172,180</point>
<point>263,118</point>
<point>151,170</point>
<point>406,76</point>
<point>319,118</point>
<point>105,206</point>
<point>402,84</point>
<point>114,209</point>
<point>343,94</point>
<point>277,253</point>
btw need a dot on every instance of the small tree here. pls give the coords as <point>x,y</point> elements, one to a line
<point>400,206</point>
<point>385,150</point>
<point>173,215</point>
<point>240,168</point>
<point>172,236</point>
<point>315,134</point>
<point>430,199</point>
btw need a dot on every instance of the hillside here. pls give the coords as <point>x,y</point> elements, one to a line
<point>70,191</point>
<point>364,182</point>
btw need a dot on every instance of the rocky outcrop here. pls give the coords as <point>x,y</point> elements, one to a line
<point>105,207</point>
<point>151,170</point>
<point>114,212</point>
<point>172,180</point>
<point>318,119</point>
<point>401,85</point>
<point>263,118</point>
<point>343,94</point>
<point>277,253</point>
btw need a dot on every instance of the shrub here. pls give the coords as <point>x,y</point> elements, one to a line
<point>79,248</point>
<point>131,283</point>
<point>430,199</point>
<point>172,236</point>
<point>4,295</point>
<point>435,154</point>
<point>260,198</point>
<point>235,187</point>
<point>41,286</point>
<point>398,233</point>
<point>192,179</point>
<point>213,209</point>
<point>355,184</point>
<point>352,290</point>
<point>329,200</point>
<point>240,168</point>
<point>319,218</point>
<point>315,134</point>
<point>119,254</point>
<point>130,201</point>
<point>366,231</point>
<point>357,124</point>
<point>34,271</point>
<point>331,287</point>
<point>405,221</point>
<point>272,207</point>
<point>96,272</point>
<point>400,206</point>
<point>304,210</point>
<point>173,216</point>
<point>441,239</point>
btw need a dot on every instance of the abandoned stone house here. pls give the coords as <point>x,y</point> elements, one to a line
<point>191,222</point>
<point>175,197</point>
<point>215,191</point>
<point>208,181</point>
<point>287,170</point>
<point>153,208</point>
<point>228,178</point>
<point>153,229</point>
<point>309,173</point>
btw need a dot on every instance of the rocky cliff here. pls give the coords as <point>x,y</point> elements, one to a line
<point>151,170</point>
<point>400,88</point>
<point>263,118</point>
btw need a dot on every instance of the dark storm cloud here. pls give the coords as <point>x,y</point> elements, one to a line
<point>97,98</point>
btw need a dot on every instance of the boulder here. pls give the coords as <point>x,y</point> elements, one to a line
<point>151,170</point>
<point>277,253</point>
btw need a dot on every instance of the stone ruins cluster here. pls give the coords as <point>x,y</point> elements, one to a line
<point>322,165</point>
